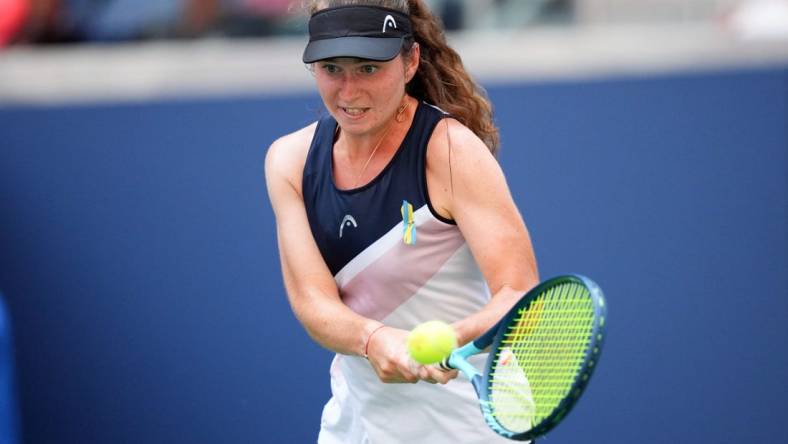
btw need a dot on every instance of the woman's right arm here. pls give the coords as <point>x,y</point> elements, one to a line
<point>311,289</point>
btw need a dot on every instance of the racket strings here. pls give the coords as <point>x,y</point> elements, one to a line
<point>540,356</point>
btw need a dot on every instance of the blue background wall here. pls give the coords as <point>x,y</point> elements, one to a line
<point>138,258</point>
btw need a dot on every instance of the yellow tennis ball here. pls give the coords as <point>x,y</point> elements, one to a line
<point>431,342</point>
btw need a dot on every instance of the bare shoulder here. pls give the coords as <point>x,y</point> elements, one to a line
<point>458,162</point>
<point>451,140</point>
<point>285,157</point>
<point>455,155</point>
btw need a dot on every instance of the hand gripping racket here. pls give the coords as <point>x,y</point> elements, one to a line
<point>543,353</point>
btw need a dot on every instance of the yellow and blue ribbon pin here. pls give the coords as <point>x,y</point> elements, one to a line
<point>408,226</point>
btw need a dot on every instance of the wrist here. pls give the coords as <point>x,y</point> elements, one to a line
<point>369,332</point>
<point>462,331</point>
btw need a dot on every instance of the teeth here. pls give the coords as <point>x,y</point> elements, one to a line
<point>354,111</point>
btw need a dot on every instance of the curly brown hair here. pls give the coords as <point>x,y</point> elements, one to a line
<point>441,79</point>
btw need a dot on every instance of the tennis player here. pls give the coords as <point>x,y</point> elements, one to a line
<point>392,210</point>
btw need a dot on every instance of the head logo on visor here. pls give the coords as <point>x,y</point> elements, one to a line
<point>389,21</point>
<point>355,31</point>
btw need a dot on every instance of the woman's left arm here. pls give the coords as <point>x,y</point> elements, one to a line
<point>466,184</point>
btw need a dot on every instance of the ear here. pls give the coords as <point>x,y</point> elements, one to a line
<point>412,62</point>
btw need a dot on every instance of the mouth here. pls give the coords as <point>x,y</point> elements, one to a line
<point>354,112</point>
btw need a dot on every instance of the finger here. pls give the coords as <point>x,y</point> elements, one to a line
<point>423,371</point>
<point>441,376</point>
<point>426,375</point>
<point>391,373</point>
<point>407,371</point>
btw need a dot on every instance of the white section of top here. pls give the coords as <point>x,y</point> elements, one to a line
<point>454,292</point>
<point>216,67</point>
<point>378,248</point>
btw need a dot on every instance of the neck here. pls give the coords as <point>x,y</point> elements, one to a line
<point>360,146</point>
<point>358,158</point>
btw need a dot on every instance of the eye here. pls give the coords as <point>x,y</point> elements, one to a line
<point>330,68</point>
<point>368,69</point>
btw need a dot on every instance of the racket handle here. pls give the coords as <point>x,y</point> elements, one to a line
<point>444,365</point>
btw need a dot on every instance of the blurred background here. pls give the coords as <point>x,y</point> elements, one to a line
<point>79,21</point>
<point>645,142</point>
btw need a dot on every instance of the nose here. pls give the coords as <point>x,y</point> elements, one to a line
<point>348,90</point>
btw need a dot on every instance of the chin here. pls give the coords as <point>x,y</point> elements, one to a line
<point>354,126</point>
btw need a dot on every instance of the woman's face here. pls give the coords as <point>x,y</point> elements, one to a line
<point>362,95</point>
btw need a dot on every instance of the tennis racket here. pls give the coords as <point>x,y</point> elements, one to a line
<point>543,354</point>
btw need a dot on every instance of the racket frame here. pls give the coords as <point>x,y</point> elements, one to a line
<point>495,335</point>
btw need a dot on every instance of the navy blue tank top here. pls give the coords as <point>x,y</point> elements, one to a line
<point>345,222</point>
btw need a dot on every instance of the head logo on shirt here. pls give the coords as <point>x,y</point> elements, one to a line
<point>347,221</point>
<point>408,224</point>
